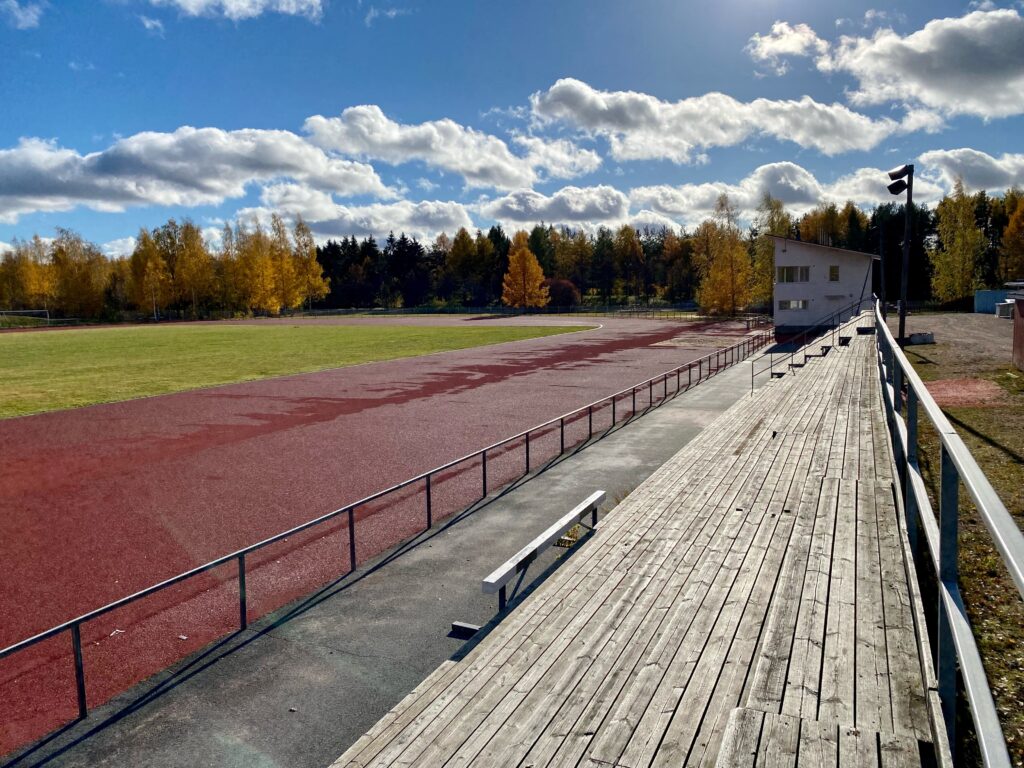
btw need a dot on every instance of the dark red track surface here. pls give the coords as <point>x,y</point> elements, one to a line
<point>99,502</point>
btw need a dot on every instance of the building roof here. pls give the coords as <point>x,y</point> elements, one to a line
<point>824,247</point>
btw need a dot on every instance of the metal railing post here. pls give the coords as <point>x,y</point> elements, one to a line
<point>352,538</point>
<point>483,467</point>
<point>527,453</point>
<point>664,387</point>
<point>590,421</point>
<point>561,436</point>
<point>909,497</point>
<point>633,412</point>
<point>897,388</point>
<point>430,510</point>
<point>946,658</point>
<point>76,645</point>
<point>613,410</point>
<point>243,612</point>
<point>650,393</point>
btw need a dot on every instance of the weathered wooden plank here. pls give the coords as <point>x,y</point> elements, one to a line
<point>741,743</point>
<point>803,682</point>
<point>836,703</point>
<point>873,702</point>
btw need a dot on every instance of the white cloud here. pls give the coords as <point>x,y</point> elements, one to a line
<point>978,170</point>
<point>642,127</point>
<point>481,159</point>
<point>375,13</point>
<point>21,15</point>
<point>4,247</point>
<point>792,184</point>
<point>569,205</point>
<point>122,246</point>
<point>328,218</point>
<point>191,166</point>
<point>426,184</point>
<point>237,10</point>
<point>154,26</point>
<point>969,65</point>
<point>560,158</point>
<point>784,40</point>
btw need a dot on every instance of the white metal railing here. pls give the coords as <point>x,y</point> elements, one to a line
<point>905,395</point>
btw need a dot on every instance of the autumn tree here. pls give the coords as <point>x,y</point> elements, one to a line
<point>150,276</point>
<point>629,255</point>
<point>961,243</point>
<point>523,284</point>
<point>312,284</point>
<point>1011,257</point>
<point>194,269</point>
<point>724,265</point>
<point>771,219</point>
<point>256,266</point>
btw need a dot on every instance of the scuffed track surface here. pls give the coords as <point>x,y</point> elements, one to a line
<point>103,501</point>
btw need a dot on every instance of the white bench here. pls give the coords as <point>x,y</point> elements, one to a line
<point>499,578</point>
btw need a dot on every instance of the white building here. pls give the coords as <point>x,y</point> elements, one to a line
<point>813,281</point>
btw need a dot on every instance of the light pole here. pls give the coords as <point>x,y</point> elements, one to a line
<point>896,175</point>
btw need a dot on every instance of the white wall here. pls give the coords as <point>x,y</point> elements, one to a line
<point>823,295</point>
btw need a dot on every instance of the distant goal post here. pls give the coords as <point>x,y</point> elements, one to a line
<point>24,318</point>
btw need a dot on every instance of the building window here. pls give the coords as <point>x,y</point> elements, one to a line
<point>793,274</point>
<point>833,273</point>
<point>793,303</point>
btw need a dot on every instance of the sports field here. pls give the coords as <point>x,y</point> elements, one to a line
<point>101,502</point>
<point>71,368</point>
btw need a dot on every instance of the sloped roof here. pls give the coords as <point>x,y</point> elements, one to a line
<point>825,247</point>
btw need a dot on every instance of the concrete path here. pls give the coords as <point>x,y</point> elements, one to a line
<point>299,686</point>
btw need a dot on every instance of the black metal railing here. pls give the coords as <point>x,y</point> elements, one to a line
<point>695,372</point>
<point>798,344</point>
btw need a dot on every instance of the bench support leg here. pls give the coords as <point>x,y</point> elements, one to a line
<point>502,600</point>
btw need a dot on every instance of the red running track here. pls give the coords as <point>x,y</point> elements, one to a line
<point>99,502</point>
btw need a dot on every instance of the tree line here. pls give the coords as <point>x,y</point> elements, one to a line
<point>968,241</point>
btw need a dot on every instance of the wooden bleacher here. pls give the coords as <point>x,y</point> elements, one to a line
<point>749,604</point>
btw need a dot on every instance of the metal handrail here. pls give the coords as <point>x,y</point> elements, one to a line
<point>829,324</point>
<point>905,395</point>
<point>706,366</point>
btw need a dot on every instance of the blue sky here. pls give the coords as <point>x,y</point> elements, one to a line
<point>424,116</point>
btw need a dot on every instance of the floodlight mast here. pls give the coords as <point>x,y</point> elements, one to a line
<point>898,185</point>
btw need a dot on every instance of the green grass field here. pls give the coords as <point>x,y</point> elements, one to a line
<point>66,369</point>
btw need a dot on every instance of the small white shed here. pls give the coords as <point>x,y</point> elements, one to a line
<point>812,281</point>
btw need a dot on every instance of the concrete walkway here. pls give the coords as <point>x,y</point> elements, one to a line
<point>301,685</point>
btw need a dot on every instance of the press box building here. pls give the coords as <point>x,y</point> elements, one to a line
<point>813,281</point>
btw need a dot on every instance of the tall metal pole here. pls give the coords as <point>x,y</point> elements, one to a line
<point>881,259</point>
<point>906,256</point>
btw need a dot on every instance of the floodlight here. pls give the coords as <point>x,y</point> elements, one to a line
<point>897,186</point>
<point>899,173</point>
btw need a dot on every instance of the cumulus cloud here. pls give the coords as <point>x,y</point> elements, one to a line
<point>969,65</point>
<point>639,126</point>
<point>4,247</point>
<point>569,205</point>
<point>481,159</point>
<point>238,10</point>
<point>791,183</point>
<point>328,218</point>
<point>122,246</point>
<point>784,40</point>
<point>978,170</point>
<point>191,166</point>
<point>21,15</point>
